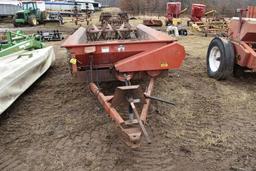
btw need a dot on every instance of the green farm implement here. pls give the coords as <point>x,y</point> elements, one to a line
<point>18,41</point>
<point>31,15</point>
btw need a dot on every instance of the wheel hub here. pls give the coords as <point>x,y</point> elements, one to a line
<point>214,59</point>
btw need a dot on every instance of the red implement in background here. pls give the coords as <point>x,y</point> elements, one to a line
<point>148,53</point>
<point>173,10</point>
<point>153,22</point>
<point>251,12</point>
<point>197,12</point>
<point>238,50</point>
<point>242,33</point>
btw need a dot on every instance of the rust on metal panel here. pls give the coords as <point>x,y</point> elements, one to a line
<point>145,108</point>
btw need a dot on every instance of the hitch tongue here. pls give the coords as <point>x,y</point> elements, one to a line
<point>140,122</point>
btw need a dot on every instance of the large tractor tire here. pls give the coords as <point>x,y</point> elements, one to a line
<point>220,59</point>
<point>14,22</point>
<point>32,20</point>
<point>239,71</point>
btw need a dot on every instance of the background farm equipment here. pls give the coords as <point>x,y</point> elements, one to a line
<point>173,12</point>
<point>19,70</point>
<point>53,35</point>
<point>18,41</point>
<point>147,54</point>
<point>172,21</point>
<point>212,24</point>
<point>237,51</point>
<point>9,8</point>
<point>197,12</point>
<point>177,30</point>
<point>153,22</point>
<point>31,15</point>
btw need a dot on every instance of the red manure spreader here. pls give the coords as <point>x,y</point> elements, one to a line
<point>102,54</point>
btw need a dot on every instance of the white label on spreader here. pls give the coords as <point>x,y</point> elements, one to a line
<point>105,49</point>
<point>121,48</point>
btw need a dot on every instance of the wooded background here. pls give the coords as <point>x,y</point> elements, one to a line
<point>157,7</point>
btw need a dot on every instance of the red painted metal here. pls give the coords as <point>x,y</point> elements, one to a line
<point>197,12</point>
<point>104,100</point>
<point>158,59</point>
<point>153,50</point>
<point>173,10</point>
<point>131,133</point>
<point>145,108</point>
<point>242,33</point>
<point>251,13</point>
<point>153,22</point>
<point>246,56</point>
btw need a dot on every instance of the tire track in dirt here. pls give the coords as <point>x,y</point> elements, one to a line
<point>196,123</point>
<point>147,157</point>
<point>10,162</point>
<point>58,125</point>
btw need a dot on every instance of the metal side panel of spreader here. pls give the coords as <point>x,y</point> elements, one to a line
<point>166,57</point>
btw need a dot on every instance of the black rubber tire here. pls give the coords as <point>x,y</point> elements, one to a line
<point>14,22</point>
<point>227,59</point>
<point>188,23</point>
<point>168,22</point>
<point>185,33</point>
<point>238,71</point>
<point>32,20</point>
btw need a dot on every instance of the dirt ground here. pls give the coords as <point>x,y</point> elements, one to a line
<point>57,124</point>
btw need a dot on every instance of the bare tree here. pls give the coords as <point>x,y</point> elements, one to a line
<point>158,7</point>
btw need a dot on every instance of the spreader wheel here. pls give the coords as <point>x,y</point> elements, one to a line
<point>220,59</point>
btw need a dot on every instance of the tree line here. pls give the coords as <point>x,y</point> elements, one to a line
<point>157,7</point>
